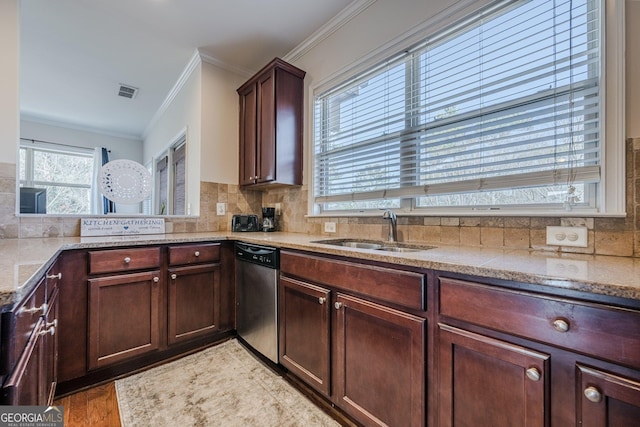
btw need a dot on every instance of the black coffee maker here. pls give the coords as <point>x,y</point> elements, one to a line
<point>268,219</point>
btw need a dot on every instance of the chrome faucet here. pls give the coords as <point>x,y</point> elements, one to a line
<point>393,225</point>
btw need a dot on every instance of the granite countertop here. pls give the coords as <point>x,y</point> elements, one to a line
<point>26,260</point>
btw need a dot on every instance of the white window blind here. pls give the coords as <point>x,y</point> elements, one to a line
<point>509,99</point>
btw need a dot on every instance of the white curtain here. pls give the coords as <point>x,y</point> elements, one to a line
<point>96,195</point>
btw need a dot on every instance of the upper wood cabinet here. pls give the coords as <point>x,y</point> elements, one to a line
<point>271,126</point>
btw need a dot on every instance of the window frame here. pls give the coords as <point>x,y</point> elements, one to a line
<point>29,169</point>
<point>168,154</point>
<point>610,201</point>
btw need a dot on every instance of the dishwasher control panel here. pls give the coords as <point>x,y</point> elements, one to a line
<point>262,255</point>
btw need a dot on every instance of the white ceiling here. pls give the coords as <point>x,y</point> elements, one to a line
<point>76,53</point>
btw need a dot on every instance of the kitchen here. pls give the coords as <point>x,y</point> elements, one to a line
<point>218,182</point>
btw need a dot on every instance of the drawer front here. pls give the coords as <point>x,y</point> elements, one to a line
<point>191,254</point>
<point>598,330</point>
<point>111,261</point>
<point>19,324</point>
<point>386,284</point>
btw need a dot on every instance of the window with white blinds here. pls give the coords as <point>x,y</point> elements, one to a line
<point>503,109</point>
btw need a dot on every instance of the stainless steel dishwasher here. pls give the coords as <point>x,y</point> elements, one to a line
<point>257,297</point>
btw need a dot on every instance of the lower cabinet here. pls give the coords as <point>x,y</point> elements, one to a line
<point>606,399</point>
<point>511,357</point>
<point>378,363</point>
<point>193,301</point>
<point>305,338</point>
<point>124,317</point>
<point>367,358</point>
<point>487,382</point>
<point>25,385</point>
<point>33,378</point>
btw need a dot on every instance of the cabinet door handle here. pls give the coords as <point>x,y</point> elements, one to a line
<point>321,300</point>
<point>593,394</point>
<point>533,374</point>
<point>174,276</point>
<point>127,260</point>
<point>338,305</point>
<point>156,279</point>
<point>54,276</point>
<point>197,253</point>
<point>561,325</point>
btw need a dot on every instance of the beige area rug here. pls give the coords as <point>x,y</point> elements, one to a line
<point>220,386</point>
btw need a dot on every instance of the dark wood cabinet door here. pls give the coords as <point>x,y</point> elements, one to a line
<point>607,400</point>
<point>25,385</point>
<point>248,135</point>
<point>378,363</point>
<point>194,301</point>
<point>304,332</point>
<point>124,318</point>
<point>266,152</point>
<point>487,382</point>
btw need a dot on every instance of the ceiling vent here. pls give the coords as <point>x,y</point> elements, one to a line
<point>127,91</point>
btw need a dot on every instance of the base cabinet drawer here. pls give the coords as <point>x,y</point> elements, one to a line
<point>603,331</point>
<point>122,260</point>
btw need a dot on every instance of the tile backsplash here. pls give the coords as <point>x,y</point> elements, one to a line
<point>607,236</point>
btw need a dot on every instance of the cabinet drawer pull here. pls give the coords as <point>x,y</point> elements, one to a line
<point>593,394</point>
<point>561,325</point>
<point>54,276</point>
<point>127,260</point>
<point>533,374</point>
<point>321,300</point>
<point>50,329</point>
<point>197,253</point>
<point>174,276</point>
<point>338,305</point>
<point>156,279</point>
<point>32,310</point>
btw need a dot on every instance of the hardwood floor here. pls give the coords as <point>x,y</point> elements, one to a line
<point>95,407</point>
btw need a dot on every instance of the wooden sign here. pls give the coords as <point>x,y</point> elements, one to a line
<point>120,226</point>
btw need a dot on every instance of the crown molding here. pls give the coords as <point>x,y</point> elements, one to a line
<point>175,90</point>
<point>48,121</point>
<point>342,18</point>
<point>225,66</point>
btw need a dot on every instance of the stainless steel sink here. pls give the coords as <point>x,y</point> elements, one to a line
<point>361,245</point>
<point>375,245</point>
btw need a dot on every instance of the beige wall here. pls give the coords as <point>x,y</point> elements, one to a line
<point>219,116</point>
<point>632,29</point>
<point>183,114</point>
<point>9,80</point>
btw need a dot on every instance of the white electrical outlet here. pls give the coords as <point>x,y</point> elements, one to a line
<point>221,208</point>
<point>568,236</point>
<point>278,207</point>
<point>329,227</point>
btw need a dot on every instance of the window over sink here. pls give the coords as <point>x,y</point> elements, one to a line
<point>503,110</point>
